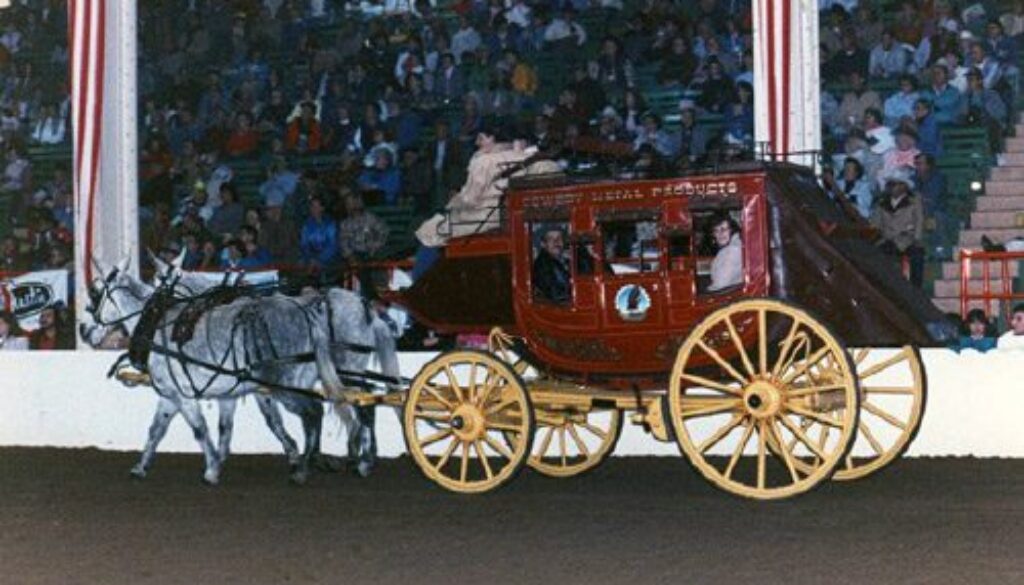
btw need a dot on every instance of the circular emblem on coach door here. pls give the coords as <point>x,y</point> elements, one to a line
<point>632,302</point>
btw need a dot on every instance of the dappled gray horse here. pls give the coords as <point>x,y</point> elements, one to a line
<point>224,358</point>
<point>355,334</point>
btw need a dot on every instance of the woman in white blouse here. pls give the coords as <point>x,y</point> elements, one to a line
<point>12,338</point>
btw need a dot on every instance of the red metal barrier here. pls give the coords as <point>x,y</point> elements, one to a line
<point>1005,293</point>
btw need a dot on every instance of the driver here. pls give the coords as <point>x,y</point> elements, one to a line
<point>727,267</point>
<point>551,277</point>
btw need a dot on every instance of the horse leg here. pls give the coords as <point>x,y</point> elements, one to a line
<point>225,427</point>
<point>194,416</point>
<point>362,441</point>
<point>312,415</point>
<point>272,416</point>
<point>165,411</point>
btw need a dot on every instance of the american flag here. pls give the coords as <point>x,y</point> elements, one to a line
<point>87,40</point>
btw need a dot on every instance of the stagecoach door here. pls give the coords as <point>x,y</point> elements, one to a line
<point>632,268</point>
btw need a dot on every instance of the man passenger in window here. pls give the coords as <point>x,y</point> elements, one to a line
<point>727,267</point>
<point>551,277</point>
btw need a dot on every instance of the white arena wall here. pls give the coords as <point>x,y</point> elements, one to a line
<point>58,399</point>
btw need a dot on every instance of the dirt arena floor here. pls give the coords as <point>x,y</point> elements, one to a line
<point>73,517</point>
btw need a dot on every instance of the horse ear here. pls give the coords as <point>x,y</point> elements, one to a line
<point>122,266</point>
<point>97,267</point>
<point>179,260</point>
<point>161,267</point>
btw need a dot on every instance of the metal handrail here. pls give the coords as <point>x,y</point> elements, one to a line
<point>1005,294</point>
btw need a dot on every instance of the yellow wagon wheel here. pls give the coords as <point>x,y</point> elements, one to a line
<point>754,375</point>
<point>571,441</point>
<point>468,422</point>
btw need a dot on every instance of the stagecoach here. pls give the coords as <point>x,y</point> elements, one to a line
<point>808,369</point>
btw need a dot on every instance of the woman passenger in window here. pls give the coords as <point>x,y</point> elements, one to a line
<point>727,267</point>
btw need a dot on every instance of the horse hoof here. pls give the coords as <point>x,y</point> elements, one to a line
<point>299,477</point>
<point>138,472</point>
<point>364,469</point>
<point>211,479</point>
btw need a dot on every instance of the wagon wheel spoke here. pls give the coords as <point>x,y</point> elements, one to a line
<point>454,384</point>
<point>546,443</point>
<point>711,384</point>
<point>787,345</point>
<point>815,416</point>
<point>803,438</point>
<point>483,460</point>
<point>870,436</point>
<point>497,446</point>
<point>454,444</point>
<point>785,454</point>
<point>905,390</point>
<point>471,388</point>
<point>802,368</point>
<point>584,451</point>
<point>489,383</point>
<point>698,406</point>
<point>762,454</point>
<point>594,430</point>
<point>721,433</point>
<point>747,431</point>
<point>858,359</point>
<point>884,415</point>
<point>762,335</point>
<point>561,444</point>
<point>739,346</point>
<point>504,426</point>
<point>433,391</point>
<point>464,468</point>
<point>721,362</point>
<point>884,364</point>
<point>434,415</point>
<point>443,433</point>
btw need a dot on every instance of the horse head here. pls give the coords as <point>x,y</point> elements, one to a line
<point>116,299</point>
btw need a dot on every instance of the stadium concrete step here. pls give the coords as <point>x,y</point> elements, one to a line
<point>1012,159</point>
<point>951,270</point>
<point>990,202</point>
<point>1015,145</point>
<point>997,219</point>
<point>1000,185</point>
<point>950,288</point>
<point>972,238</point>
<point>1006,173</point>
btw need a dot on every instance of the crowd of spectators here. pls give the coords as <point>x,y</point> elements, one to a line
<point>346,107</point>
<point>891,85</point>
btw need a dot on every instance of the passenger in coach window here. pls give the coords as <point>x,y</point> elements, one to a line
<point>727,267</point>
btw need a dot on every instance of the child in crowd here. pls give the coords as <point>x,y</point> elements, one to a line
<point>979,333</point>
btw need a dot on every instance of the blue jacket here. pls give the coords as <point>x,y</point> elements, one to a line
<point>319,241</point>
<point>929,137</point>
<point>388,181</point>
<point>947,104</point>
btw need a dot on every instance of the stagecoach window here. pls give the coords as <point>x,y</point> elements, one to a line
<point>718,248</point>
<point>551,276</point>
<point>680,248</point>
<point>630,245</point>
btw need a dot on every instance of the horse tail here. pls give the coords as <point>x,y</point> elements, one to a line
<point>386,350</point>
<point>324,364</point>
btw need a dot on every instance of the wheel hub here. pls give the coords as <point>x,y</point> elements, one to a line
<point>762,399</point>
<point>468,423</point>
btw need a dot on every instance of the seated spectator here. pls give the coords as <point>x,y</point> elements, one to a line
<point>717,88</point>
<point>361,235</point>
<point>1014,338</point>
<point>888,59</point>
<point>679,65</point>
<point>739,117</point>
<point>849,59</point>
<point>50,128</point>
<point>932,187</point>
<point>53,332</point>
<point>318,241</point>
<point>979,336</point>
<point>564,31</point>
<point>947,103</point>
<point>857,101</point>
<point>383,177</point>
<point>229,216</point>
<point>899,216</point>
<point>990,68</point>
<point>418,183</point>
<point>984,107</point>
<point>448,82</point>
<point>855,187</point>
<point>929,133</point>
<point>652,134</point>
<point>12,337</point>
<point>879,136</point>
<point>727,266</point>
<point>278,234</point>
<point>303,135</point>
<point>11,258</point>
<point>900,105</point>
<point>902,157</point>
<point>256,256</point>
<point>243,139</point>
<point>465,40</point>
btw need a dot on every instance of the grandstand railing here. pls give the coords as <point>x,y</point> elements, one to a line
<point>1005,294</point>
